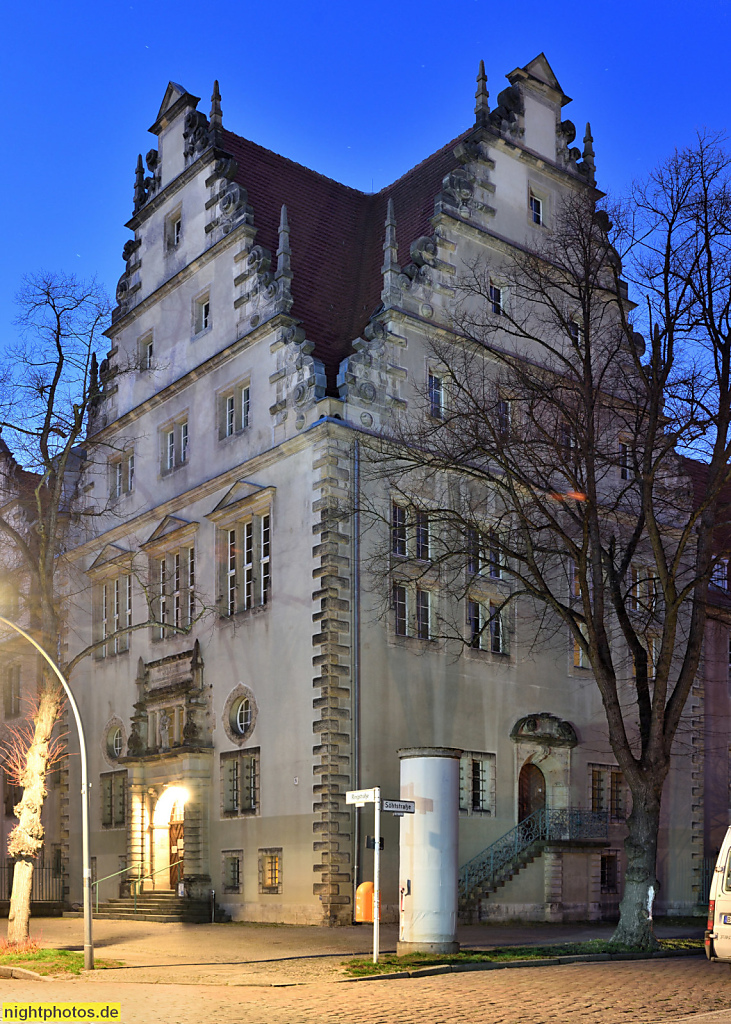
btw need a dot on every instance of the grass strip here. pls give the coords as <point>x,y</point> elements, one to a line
<point>389,962</point>
<point>52,961</point>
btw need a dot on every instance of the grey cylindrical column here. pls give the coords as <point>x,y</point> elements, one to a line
<point>428,854</point>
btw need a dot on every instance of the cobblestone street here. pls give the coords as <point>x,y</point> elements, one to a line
<point>601,993</point>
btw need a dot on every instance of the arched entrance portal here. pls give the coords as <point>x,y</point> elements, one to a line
<point>168,838</point>
<point>531,791</point>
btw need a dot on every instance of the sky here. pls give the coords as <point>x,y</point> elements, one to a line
<point>359,91</point>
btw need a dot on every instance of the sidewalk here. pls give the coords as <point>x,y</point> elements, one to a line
<point>252,954</point>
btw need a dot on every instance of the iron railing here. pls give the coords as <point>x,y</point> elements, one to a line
<point>495,863</point>
<point>46,887</point>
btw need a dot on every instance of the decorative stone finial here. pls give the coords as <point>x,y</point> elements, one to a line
<point>140,195</point>
<point>482,105</point>
<point>216,118</point>
<point>284,252</point>
<point>588,154</point>
<point>390,268</point>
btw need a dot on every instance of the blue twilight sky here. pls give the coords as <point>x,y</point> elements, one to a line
<point>358,91</point>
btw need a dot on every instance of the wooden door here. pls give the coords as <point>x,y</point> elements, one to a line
<point>531,791</point>
<point>177,845</point>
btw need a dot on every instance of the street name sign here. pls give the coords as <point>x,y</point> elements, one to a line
<point>399,806</point>
<point>360,796</point>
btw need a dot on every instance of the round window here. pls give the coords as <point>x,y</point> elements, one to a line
<point>115,742</point>
<point>243,716</point>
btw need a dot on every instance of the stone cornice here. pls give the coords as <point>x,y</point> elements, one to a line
<point>257,464</point>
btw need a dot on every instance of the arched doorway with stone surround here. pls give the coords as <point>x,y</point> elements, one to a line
<point>168,842</point>
<point>531,791</point>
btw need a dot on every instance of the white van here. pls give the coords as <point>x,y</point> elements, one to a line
<point>718,927</point>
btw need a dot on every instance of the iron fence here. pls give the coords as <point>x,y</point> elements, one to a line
<point>46,887</point>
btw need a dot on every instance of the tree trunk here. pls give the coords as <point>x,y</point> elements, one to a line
<point>640,884</point>
<point>26,839</point>
<point>19,917</point>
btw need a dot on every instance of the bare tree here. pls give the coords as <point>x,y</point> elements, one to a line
<point>49,391</point>
<point>556,454</point>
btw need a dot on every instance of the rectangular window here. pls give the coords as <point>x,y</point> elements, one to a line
<point>113,614</point>
<point>574,580</point>
<point>473,544</point>
<point>436,397</point>
<point>423,614</point>
<point>720,574</point>
<point>174,445</point>
<point>121,474</point>
<point>624,464</point>
<point>576,330</point>
<point>495,556</point>
<point>477,783</point>
<point>202,314</point>
<point>234,406</point>
<point>608,791</point>
<point>240,783</point>
<point>114,799</point>
<point>422,536</point>
<point>270,871</point>
<point>12,794</point>
<point>498,639</point>
<point>610,872</point>
<point>173,574</point>
<point>173,230</point>
<point>247,565</point>
<point>581,656</point>
<point>146,351</point>
<point>231,874</point>
<point>496,300</point>
<point>502,413</point>
<point>400,620</point>
<point>177,230</point>
<point>476,623</point>
<point>11,693</point>
<point>398,530</point>
<point>536,209</point>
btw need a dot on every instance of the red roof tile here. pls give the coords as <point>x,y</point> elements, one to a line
<point>336,235</point>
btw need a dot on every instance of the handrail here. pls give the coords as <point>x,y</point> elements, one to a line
<point>144,878</point>
<point>135,881</point>
<point>569,823</point>
<point>132,867</point>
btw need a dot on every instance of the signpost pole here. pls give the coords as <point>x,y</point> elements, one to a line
<point>377,874</point>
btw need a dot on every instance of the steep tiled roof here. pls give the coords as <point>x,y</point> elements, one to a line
<point>336,236</point>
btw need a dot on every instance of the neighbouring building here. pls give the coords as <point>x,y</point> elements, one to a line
<point>267,316</point>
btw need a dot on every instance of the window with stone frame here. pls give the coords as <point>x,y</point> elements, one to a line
<point>173,577</point>
<point>244,523</point>
<point>435,388</point>
<point>477,783</point>
<point>202,320</point>
<point>270,870</point>
<point>11,693</point>
<point>413,608</point>
<point>173,230</point>
<point>113,788</point>
<point>121,473</point>
<point>234,409</point>
<point>608,791</point>
<point>112,613</point>
<point>232,870</point>
<point>146,351</point>
<point>174,444</point>
<point>240,783</point>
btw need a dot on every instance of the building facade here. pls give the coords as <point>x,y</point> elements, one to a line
<point>245,675</point>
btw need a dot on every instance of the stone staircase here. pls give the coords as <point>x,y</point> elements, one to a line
<point>505,858</point>
<point>163,907</point>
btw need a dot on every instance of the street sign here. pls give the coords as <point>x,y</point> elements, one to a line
<point>360,796</point>
<point>399,806</point>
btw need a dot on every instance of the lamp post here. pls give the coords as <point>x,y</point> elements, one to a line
<point>88,942</point>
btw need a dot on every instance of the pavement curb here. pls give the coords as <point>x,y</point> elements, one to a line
<point>21,974</point>
<point>554,961</point>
